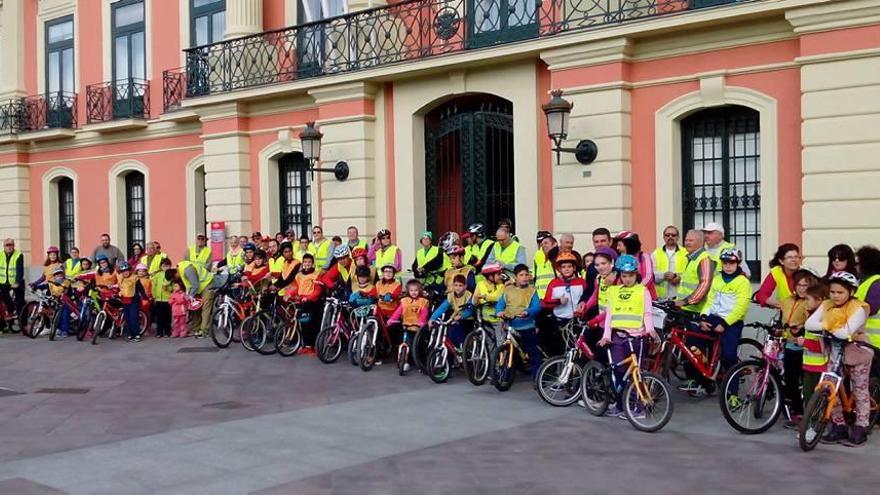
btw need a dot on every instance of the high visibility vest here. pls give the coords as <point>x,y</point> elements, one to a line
<point>424,256</point>
<point>343,272</point>
<point>72,268</point>
<point>602,300</point>
<point>506,255</point>
<point>411,310</point>
<point>662,266</point>
<point>354,280</point>
<point>7,271</point>
<point>305,283</point>
<point>491,295</point>
<point>235,261</point>
<point>359,244</point>
<point>299,252</point>
<point>782,290</point>
<point>287,268</point>
<point>544,273</point>
<point>155,264</point>
<point>452,272</point>
<point>322,253</point>
<point>385,256</point>
<point>205,277</point>
<point>627,305</point>
<point>47,270</point>
<point>202,256</point>
<point>470,254</point>
<point>690,280</point>
<point>276,265</point>
<point>161,287</point>
<point>872,326</point>
<point>717,256</point>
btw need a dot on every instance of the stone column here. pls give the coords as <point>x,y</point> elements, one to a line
<point>15,223</point>
<point>243,17</point>
<point>11,50</point>
<point>347,119</point>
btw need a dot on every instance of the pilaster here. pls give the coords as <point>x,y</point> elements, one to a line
<point>243,17</point>
<point>12,50</point>
<point>15,203</point>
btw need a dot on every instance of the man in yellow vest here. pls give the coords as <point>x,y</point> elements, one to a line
<point>152,259</point>
<point>72,266</point>
<point>200,253</point>
<point>384,253</point>
<point>196,280</point>
<point>715,244</point>
<point>12,278</point>
<point>354,241</point>
<point>303,247</point>
<point>696,279</point>
<point>507,251</point>
<point>669,261</point>
<point>323,249</point>
<point>543,262</point>
<point>480,247</point>
<point>430,263</point>
<point>869,293</point>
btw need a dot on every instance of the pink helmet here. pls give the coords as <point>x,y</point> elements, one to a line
<point>140,266</point>
<point>52,249</point>
<point>490,268</point>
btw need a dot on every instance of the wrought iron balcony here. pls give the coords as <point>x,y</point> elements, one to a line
<point>173,88</point>
<point>395,33</point>
<point>120,99</point>
<point>38,113</point>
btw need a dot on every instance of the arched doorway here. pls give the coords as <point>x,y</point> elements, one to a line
<point>469,169</point>
<point>295,193</point>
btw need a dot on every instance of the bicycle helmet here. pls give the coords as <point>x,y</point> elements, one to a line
<point>455,250</point>
<point>341,252</point>
<point>566,258</point>
<point>448,240</point>
<point>541,235</point>
<point>844,278</point>
<point>607,252</point>
<point>57,271</point>
<point>362,271</point>
<point>249,246</point>
<point>491,267</point>
<point>383,233</point>
<point>101,257</point>
<point>52,249</point>
<point>389,265</point>
<point>477,229</point>
<point>358,252</point>
<point>626,234</point>
<point>140,266</point>
<point>732,255</point>
<point>124,266</point>
<point>626,263</point>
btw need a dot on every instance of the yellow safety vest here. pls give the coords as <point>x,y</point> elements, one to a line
<point>360,244</point>
<point>154,265</point>
<point>506,255</point>
<point>343,272</point>
<point>276,265</point>
<point>72,268</point>
<point>544,273</point>
<point>205,277</point>
<point>469,254</point>
<point>603,294</point>
<point>424,256</point>
<point>717,256</point>
<point>322,253</point>
<point>452,272</point>
<point>782,290</point>
<point>627,306</point>
<point>299,252</point>
<point>662,266</point>
<point>690,280</point>
<point>7,271</point>
<point>872,326</point>
<point>385,257</point>
<point>203,256</point>
<point>491,296</point>
<point>235,261</point>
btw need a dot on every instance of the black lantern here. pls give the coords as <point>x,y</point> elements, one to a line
<point>310,138</point>
<point>558,112</point>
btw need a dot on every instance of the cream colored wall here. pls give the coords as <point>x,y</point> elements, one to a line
<point>15,194</point>
<point>413,98</point>
<point>11,50</point>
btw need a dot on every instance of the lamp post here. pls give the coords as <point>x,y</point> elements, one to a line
<point>310,138</point>
<point>558,112</point>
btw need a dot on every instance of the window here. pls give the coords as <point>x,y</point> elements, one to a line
<point>295,193</point>
<point>135,209</point>
<point>313,42</point>
<point>208,21</point>
<point>316,10</point>
<point>59,56</point>
<point>66,234</point>
<point>721,176</point>
<point>129,58</point>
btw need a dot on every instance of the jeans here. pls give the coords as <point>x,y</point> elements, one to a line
<point>64,324</point>
<point>459,330</point>
<point>792,362</point>
<point>131,311</point>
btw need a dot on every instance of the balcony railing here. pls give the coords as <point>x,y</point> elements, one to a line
<point>38,113</point>
<point>120,99</point>
<point>395,33</point>
<point>173,88</point>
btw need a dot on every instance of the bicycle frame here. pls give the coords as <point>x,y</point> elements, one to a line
<point>633,370</point>
<point>677,338</point>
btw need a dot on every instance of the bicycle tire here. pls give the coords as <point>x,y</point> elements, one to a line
<point>267,327</point>
<point>328,346</point>
<point>476,358</point>
<point>754,369</point>
<point>503,374</point>
<point>402,358</point>
<point>27,317</point>
<point>367,349</point>
<point>251,334</point>
<point>657,388</point>
<point>544,381</point>
<point>438,366</point>
<point>749,349</point>
<point>353,345</point>
<point>221,329</point>
<point>143,323</point>
<point>594,388</point>
<point>874,395</point>
<point>53,327</point>
<point>814,421</point>
<point>288,339</point>
<point>419,348</point>
<point>98,326</point>
<point>674,364</point>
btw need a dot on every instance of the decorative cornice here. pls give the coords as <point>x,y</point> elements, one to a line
<point>343,92</point>
<point>833,15</point>
<point>587,54</point>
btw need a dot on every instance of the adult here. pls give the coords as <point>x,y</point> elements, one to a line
<point>196,279</point>
<point>542,263</point>
<point>72,266</point>
<point>323,248</point>
<point>113,253</point>
<point>354,241</point>
<point>841,258</point>
<point>480,247</point>
<point>384,253</point>
<point>274,258</point>
<point>339,272</point>
<point>279,237</point>
<point>137,251</point>
<point>152,258</point>
<point>715,244</point>
<point>696,279</point>
<point>284,278</point>
<point>234,258</point>
<point>779,284</point>
<point>429,263</point>
<point>669,260</point>
<point>869,290</point>
<point>303,247</point>
<point>200,252</point>
<point>290,237</point>
<point>566,246</point>
<point>632,246</point>
<point>12,278</point>
<point>601,238</point>
<point>507,251</point>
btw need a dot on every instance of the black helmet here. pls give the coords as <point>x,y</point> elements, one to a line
<point>541,235</point>
<point>477,229</point>
<point>362,271</point>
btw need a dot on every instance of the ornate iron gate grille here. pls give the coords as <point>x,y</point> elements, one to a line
<point>469,163</point>
<point>721,176</point>
<point>295,193</point>
<point>135,210</point>
<point>65,214</point>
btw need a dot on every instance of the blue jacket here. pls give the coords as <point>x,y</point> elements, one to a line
<point>531,313</point>
<point>466,313</point>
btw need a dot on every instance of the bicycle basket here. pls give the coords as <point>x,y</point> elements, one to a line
<point>363,311</point>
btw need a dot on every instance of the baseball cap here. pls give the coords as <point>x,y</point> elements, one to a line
<point>713,226</point>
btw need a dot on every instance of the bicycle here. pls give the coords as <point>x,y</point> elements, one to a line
<point>358,316</point>
<point>403,350</point>
<point>288,336</point>
<point>420,339</point>
<point>477,349</point>
<point>504,359</point>
<point>259,329</point>
<point>110,320</point>
<point>442,355</point>
<point>232,305</point>
<point>752,399</point>
<point>558,381</point>
<point>38,313</point>
<point>78,312</point>
<point>337,328</point>
<point>647,402</point>
<point>369,344</point>
<point>828,392</point>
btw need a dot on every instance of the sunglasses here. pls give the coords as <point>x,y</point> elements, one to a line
<point>838,259</point>
<point>670,235</point>
<point>9,245</point>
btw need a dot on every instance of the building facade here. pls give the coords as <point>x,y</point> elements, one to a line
<point>147,118</point>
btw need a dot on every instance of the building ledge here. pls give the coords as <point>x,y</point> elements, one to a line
<point>178,115</point>
<point>117,125</point>
<point>48,135</point>
<point>8,138</point>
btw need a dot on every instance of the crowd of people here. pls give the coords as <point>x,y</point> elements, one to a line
<point>459,275</point>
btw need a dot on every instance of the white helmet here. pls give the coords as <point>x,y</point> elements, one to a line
<point>845,278</point>
<point>341,251</point>
<point>448,241</point>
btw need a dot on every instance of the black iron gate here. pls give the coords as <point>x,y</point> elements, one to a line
<point>469,168</point>
<point>721,176</point>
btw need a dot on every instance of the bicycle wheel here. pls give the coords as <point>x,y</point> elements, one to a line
<point>143,323</point>
<point>290,340</point>
<point>504,368</point>
<point>28,317</point>
<point>814,421</point>
<point>253,335</point>
<point>221,328</point>
<point>54,326</point>
<point>402,358</point>
<point>747,403</point>
<point>353,347</point>
<point>476,358</point>
<point>328,345</point>
<point>674,364</point>
<point>367,348</point>
<point>647,404</point>
<point>98,326</point>
<point>594,388</point>
<point>438,365</point>
<point>559,381</point>
<point>748,349</point>
<point>419,349</point>
<point>874,394</point>
<point>268,328</point>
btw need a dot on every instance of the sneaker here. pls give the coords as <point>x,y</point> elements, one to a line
<point>60,336</point>
<point>159,336</point>
<point>612,411</point>
<point>688,386</point>
<point>581,403</point>
<point>837,434</point>
<point>639,413</point>
<point>377,363</point>
<point>858,437</point>
<point>698,391</point>
<point>129,339</point>
<point>406,367</point>
<point>793,423</point>
<point>137,338</point>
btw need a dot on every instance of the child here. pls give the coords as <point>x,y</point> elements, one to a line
<point>488,292</point>
<point>388,290</point>
<point>161,285</point>
<point>458,301</point>
<point>131,292</point>
<point>307,295</point>
<point>520,305</point>
<point>57,285</point>
<point>146,282</point>
<point>456,258</point>
<point>814,359</point>
<point>178,304</point>
<point>565,290</point>
<point>794,314</point>
<point>628,314</point>
<point>363,291</point>
<point>412,313</point>
<point>105,276</point>
<point>361,259</point>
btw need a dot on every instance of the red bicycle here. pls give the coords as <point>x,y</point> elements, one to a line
<point>110,321</point>
<point>369,345</point>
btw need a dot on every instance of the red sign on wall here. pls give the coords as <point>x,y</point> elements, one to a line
<point>217,239</point>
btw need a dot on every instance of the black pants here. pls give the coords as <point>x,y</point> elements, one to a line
<point>548,333</point>
<point>162,317</point>
<point>13,307</point>
<point>792,363</point>
<point>310,318</point>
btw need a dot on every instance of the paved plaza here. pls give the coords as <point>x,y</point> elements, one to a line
<point>182,417</point>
